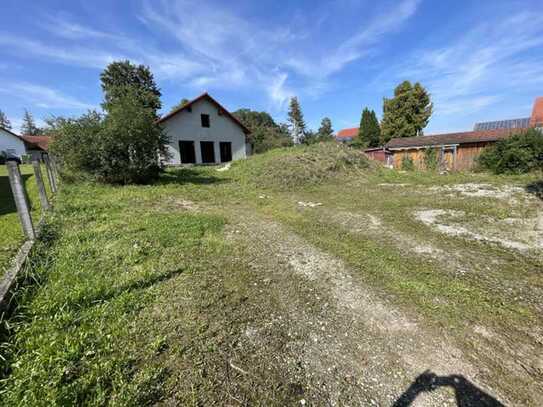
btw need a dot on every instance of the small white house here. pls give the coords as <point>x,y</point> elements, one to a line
<point>204,132</point>
<point>11,144</point>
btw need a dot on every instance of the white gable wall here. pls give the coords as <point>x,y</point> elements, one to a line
<point>187,125</point>
<point>11,144</point>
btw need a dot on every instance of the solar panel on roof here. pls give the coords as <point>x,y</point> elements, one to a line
<point>503,124</point>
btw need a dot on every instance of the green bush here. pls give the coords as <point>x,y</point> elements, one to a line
<point>408,164</point>
<point>517,154</point>
<point>430,159</point>
<point>121,148</point>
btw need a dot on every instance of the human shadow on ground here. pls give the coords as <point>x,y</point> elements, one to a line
<point>535,188</point>
<point>7,203</point>
<point>188,175</point>
<point>466,393</point>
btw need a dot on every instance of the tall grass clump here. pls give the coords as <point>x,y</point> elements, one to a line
<point>301,166</point>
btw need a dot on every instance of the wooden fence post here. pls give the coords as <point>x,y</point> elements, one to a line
<point>21,202</point>
<point>50,174</point>
<point>41,186</point>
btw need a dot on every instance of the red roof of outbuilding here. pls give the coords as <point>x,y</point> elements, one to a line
<point>347,133</point>
<point>41,142</point>
<point>204,95</point>
<point>537,113</point>
<point>452,138</point>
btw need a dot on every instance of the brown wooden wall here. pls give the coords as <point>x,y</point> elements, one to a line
<point>466,155</point>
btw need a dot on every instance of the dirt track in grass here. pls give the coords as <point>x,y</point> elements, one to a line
<point>355,348</point>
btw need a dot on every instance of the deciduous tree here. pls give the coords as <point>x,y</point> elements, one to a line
<point>183,102</point>
<point>407,113</point>
<point>325,132</point>
<point>265,132</point>
<point>122,77</point>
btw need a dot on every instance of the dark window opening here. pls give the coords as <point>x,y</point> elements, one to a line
<point>220,112</point>
<point>186,152</point>
<point>205,120</point>
<point>226,151</point>
<point>208,152</point>
<point>189,109</point>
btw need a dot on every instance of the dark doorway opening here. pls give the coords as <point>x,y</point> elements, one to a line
<point>208,152</point>
<point>186,151</point>
<point>226,151</point>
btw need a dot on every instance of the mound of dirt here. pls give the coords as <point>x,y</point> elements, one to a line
<point>302,165</point>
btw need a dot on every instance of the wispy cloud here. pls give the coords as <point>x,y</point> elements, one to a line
<point>480,67</point>
<point>42,96</point>
<point>215,45</point>
<point>276,59</point>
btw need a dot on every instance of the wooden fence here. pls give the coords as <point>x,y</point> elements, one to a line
<point>29,226</point>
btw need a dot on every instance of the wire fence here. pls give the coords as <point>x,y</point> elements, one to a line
<point>29,225</point>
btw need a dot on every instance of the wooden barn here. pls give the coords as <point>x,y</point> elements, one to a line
<point>455,151</point>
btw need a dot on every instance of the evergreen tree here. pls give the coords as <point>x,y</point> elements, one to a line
<point>183,102</point>
<point>325,132</point>
<point>407,113</point>
<point>29,127</point>
<point>4,121</point>
<point>296,121</point>
<point>123,78</point>
<point>369,132</point>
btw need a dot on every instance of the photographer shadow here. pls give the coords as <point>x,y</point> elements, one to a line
<point>466,393</point>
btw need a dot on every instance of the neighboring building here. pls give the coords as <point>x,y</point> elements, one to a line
<point>204,132</point>
<point>11,144</point>
<point>36,146</point>
<point>347,135</point>
<point>379,154</point>
<point>455,151</point>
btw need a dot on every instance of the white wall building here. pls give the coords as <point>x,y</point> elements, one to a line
<point>204,132</point>
<point>11,144</point>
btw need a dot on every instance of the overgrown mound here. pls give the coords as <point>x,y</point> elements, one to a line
<point>300,166</point>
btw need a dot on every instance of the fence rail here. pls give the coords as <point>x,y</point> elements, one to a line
<point>31,232</point>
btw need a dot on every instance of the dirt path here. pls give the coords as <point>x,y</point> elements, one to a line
<point>355,348</point>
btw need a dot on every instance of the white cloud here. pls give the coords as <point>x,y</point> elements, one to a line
<point>481,67</point>
<point>241,52</point>
<point>75,55</point>
<point>211,45</point>
<point>42,96</point>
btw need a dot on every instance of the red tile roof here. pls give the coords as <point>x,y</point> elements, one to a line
<point>452,138</point>
<point>40,142</point>
<point>537,113</point>
<point>204,95</point>
<point>347,133</point>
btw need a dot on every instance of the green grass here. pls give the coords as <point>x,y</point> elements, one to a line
<point>136,294</point>
<point>12,235</point>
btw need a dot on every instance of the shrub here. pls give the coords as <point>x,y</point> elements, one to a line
<point>130,142</point>
<point>76,143</point>
<point>517,154</point>
<point>430,159</point>
<point>408,164</point>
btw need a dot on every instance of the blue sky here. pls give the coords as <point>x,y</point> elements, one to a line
<point>481,60</point>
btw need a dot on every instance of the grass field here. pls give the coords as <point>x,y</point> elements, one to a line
<point>302,276</point>
<point>12,235</point>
